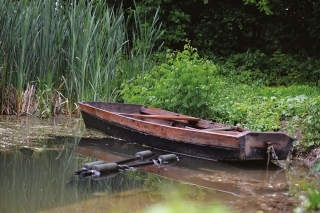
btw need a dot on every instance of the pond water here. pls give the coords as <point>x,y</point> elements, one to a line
<point>39,178</point>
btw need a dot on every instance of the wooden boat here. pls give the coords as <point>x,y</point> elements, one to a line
<point>181,134</point>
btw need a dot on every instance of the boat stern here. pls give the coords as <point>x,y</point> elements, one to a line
<point>256,145</point>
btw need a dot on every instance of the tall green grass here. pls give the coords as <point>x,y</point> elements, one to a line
<point>69,46</point>
<point>144,36</point>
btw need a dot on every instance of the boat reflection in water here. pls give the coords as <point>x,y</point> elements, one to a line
<point>241,179</point>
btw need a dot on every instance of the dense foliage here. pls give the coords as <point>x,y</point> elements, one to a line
<point>188,84</point>
<point>225,27</point>
<point>274,41</point>
<point>277,69</point>
<point>184,83</point>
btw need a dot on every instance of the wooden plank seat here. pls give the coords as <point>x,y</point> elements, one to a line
<point>187,121</point>
<point>163,117</point>
<point>192,121</point>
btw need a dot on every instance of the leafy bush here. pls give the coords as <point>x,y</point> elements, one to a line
<point>184,83</point>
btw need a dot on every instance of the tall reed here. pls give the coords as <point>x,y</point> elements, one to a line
<point>69,46</point>
<point>145,34</point>
<point>95,42</point>
<point>29,47</point>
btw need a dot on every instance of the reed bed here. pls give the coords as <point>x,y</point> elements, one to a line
<point>70,51</point>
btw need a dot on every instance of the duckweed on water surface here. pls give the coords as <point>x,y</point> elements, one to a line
<point>30,131</point>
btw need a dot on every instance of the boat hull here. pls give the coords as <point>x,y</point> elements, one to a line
<point>132,135</point>
<point>201,143</point>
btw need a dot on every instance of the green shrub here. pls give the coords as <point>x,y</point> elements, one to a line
<point>185,83</point>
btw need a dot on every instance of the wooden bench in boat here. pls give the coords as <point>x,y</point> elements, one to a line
<point>181,121</point>
<point>163,117</point>
<point>196,123</point>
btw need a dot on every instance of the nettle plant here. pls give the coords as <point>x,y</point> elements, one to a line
<point>185,83</point>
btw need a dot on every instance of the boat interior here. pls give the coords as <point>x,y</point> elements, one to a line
<point>164,117</point>
<point>178,120</point>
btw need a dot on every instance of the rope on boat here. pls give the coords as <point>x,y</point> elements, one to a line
<point>272,155</point>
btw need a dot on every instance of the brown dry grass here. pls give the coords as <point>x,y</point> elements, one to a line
<point>9,106</point>
<point>29,101</point>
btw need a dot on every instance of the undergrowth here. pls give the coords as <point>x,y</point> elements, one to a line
<point>188,84</point>
<point>310,196</point>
